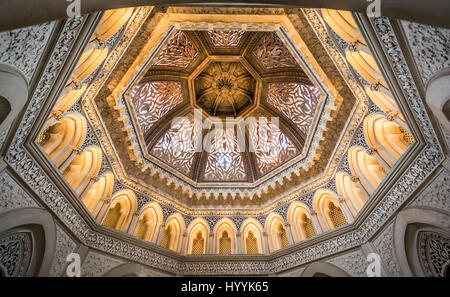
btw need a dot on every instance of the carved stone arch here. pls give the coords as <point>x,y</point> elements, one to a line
<point>198,236</point>
<point>149,222</point>
<point>63,138</point>
<point>13,95</point>
<point>127,270</point>
<point>173,236</point>
<point>366,168</point>
<point>83,169</point>
<point>361,59</point>
<point>438,96</point>
<point>326,205</point>
<point>343,24</point>
<point>408,226</point>
<point>120,210</point>
<point>29,232</point>
<point>100,191</point>
<point>320,269</point>
<point>276,231</point>
<point>225,225</point>
<point>251,227</point>
<point>111,22</point>
<point>386,137</point>
<point>299,217</point>
<point>350,191</point>
<point>93,56</point>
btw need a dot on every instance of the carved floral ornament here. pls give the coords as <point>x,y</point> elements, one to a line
<point>28,169</point>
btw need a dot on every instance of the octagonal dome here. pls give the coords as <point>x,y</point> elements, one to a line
<point>261,102</point>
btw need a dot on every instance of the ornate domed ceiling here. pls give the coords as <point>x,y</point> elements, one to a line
<point>204,114</point>
<point>243,83</point>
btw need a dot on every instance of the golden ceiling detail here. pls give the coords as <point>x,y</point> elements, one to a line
<point>224,89</point>
<point>179,52</point>
<point>272,53</point>
<point>318,127</point>
<point>225,38</point>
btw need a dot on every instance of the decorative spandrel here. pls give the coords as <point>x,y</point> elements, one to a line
<point>177,146</point>
<point>224,162</point>
<point>179,52</point>
<point>152,100</point>
<point>296,101</point>
<point>225,38</point>
<point>272,53</point>
<point>271,146</point>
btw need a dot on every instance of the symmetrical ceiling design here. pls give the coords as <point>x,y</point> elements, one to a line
<point>224,89</point>
<point>247,78</point>
<point>299,154</point>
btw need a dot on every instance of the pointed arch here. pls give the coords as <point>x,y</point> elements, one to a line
<point>252,237</point>
<point>68,97</point>
<point>111,22</point>
<point>92,57</point>
<point>386,137</point>
<point>276,231</point>
<point>63,138</point>
<point>149,222</point>
<point>83,169</point>
<point>101,190</point>
<point>342,22</point>
<point>198,235</point>
<point>326,205</point>
<point>173,233</point>
<point>120,210</point>
<point>366,168</point>
<point>363,62</point>
<point>299,217</point>
<point>350,191</point>
<point>13,95</point>
<point>225,243</point>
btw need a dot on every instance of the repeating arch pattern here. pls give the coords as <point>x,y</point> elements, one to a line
<point>63,138</point>
<point>120,210</point>
<point>198,237</point>
<point>386,137</point>
<point>365,168</point>
<point>83,169</point>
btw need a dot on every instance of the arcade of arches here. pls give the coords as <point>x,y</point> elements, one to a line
<point>343,118</point>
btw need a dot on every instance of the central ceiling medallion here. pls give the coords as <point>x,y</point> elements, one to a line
<point>225,89</point>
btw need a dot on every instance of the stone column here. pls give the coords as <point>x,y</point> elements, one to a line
<point>104,208</point>
<point>210,247</point>
<point>133,224</point>
<point>374,152</point>
<point>357,181</point>
<point>239,246</point>
<point>184,244</point>
<point>315,222</point>
<point>266,243</point>
<point>162,229</point>
<point>348,215</point>
<point>289,233</point>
